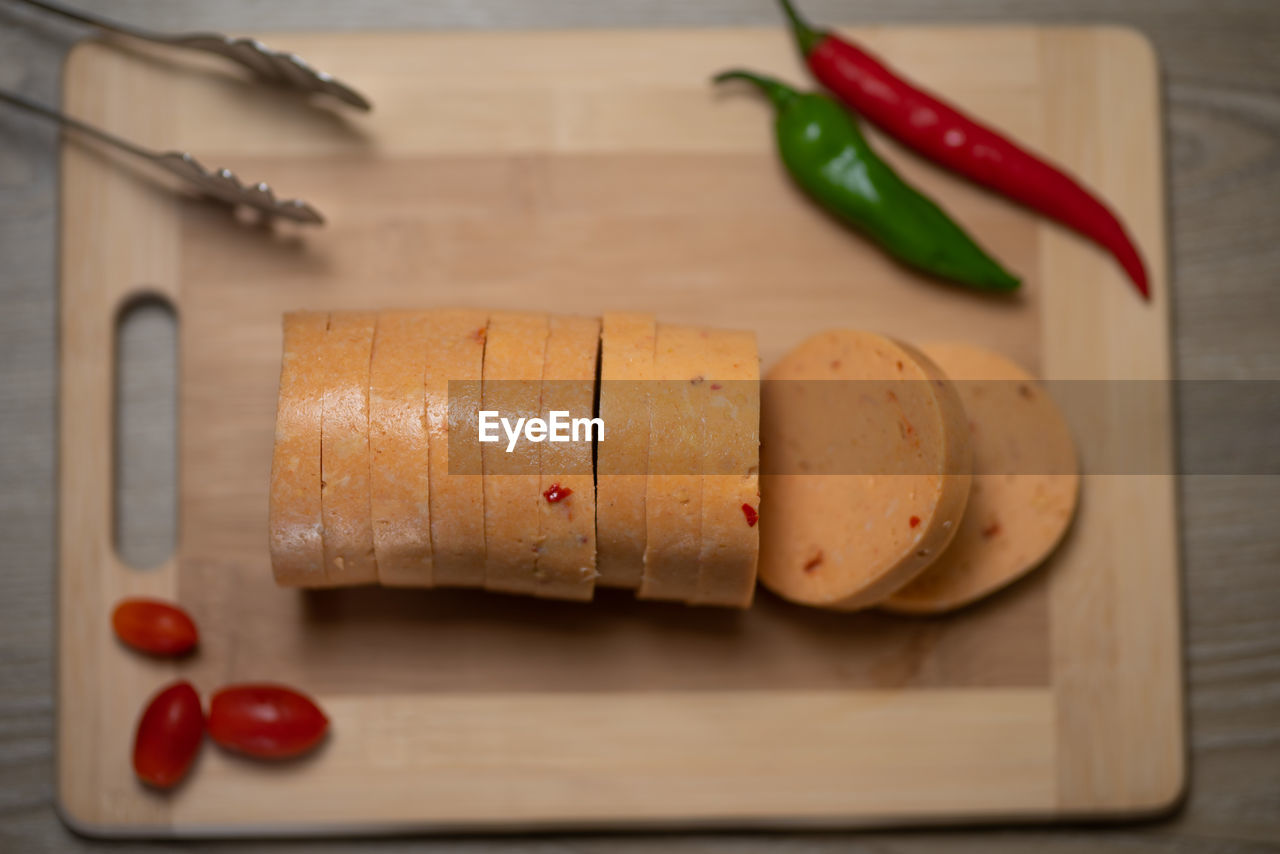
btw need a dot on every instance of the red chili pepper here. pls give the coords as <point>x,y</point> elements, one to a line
<point>751,514</point>
<point>947,136</point>
<point>556,493</point>
<point>168,736</point>
<point>154,627</point>
<point>265,721</point>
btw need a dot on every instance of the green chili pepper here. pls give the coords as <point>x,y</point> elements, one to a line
<point>829,158</point>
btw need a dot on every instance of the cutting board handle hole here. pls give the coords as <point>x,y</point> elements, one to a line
<point>145,471</point>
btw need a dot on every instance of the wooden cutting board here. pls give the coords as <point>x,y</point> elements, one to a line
<point>581,172</point>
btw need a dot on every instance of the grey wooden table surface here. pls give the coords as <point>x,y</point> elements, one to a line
<point>1221,63</point>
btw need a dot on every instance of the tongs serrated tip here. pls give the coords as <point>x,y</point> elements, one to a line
<point>225,185</point>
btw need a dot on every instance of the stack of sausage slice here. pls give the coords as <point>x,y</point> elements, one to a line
<point>914,480</point>
<point>379,475</point>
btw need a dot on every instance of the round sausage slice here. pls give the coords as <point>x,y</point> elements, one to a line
<point>1025,484</point>
<point>865,458</point>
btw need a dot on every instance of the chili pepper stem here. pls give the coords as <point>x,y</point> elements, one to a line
<point>806,36</point>
<point>778,92</point>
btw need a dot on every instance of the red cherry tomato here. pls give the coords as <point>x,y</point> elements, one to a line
<point>154,627</point>
<point>168,737</point>
<point>265,721</point>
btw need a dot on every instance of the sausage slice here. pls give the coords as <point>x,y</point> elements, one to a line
<point>297,550</point>
<point>731,464</point>
<point>865,478</point>
<point>398,454</point>
<point>344,450</point>
<point>513,359</point>
<point>622,459</point>
<point>455,343</point>
<point>565,565</point>
<point>1025,484</point>
<point>673,490</point>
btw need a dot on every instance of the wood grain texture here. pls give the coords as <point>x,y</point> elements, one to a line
<point>1221,75</point>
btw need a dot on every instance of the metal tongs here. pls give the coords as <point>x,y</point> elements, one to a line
<point>284,69</point>
<point>219,183</point>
